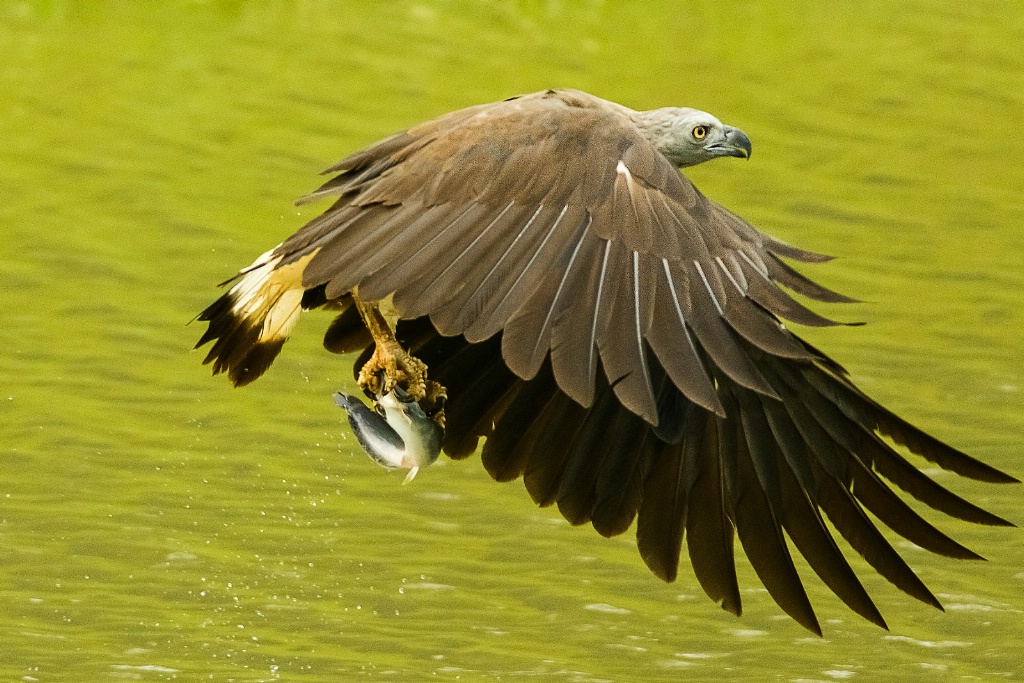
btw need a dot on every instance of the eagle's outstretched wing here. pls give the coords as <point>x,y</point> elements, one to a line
<point>617,338</point>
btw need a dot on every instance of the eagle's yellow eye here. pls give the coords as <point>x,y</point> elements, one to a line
<point>699,132</point>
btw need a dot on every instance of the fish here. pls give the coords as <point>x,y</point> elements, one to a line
<point>396,433</point>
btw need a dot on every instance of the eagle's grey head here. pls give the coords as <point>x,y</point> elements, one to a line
<point>688,137</point>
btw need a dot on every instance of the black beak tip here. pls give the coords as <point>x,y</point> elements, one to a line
<point>738,143</point>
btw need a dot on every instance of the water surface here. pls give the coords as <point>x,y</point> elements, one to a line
<point>156,524</point>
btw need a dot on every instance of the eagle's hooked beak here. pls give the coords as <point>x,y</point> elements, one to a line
<point>734,143</point>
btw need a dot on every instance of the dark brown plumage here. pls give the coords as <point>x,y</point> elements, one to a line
<point>615,337</point>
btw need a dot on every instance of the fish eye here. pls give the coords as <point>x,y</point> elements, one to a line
<point>379,409</point>
<point>699,132</point>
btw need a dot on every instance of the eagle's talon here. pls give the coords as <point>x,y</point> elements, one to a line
<point>433,402</point>
<point>391,366</point>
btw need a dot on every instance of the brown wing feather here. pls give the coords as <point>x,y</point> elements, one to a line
<point>465,219</point>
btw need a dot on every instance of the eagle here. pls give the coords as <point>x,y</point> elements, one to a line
<point>539,275</point>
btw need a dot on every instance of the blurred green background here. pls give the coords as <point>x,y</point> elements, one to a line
<point>156,524</point>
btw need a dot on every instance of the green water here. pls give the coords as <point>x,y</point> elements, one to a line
<point>156,524</point>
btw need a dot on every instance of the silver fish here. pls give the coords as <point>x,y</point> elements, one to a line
<point>397,433</point>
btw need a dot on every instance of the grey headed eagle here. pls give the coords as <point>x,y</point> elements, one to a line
<point>615,338</point>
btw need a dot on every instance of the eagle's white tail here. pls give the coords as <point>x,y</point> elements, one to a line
<point>250,323</point>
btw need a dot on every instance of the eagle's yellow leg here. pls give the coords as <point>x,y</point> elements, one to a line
<point>391,365</point>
